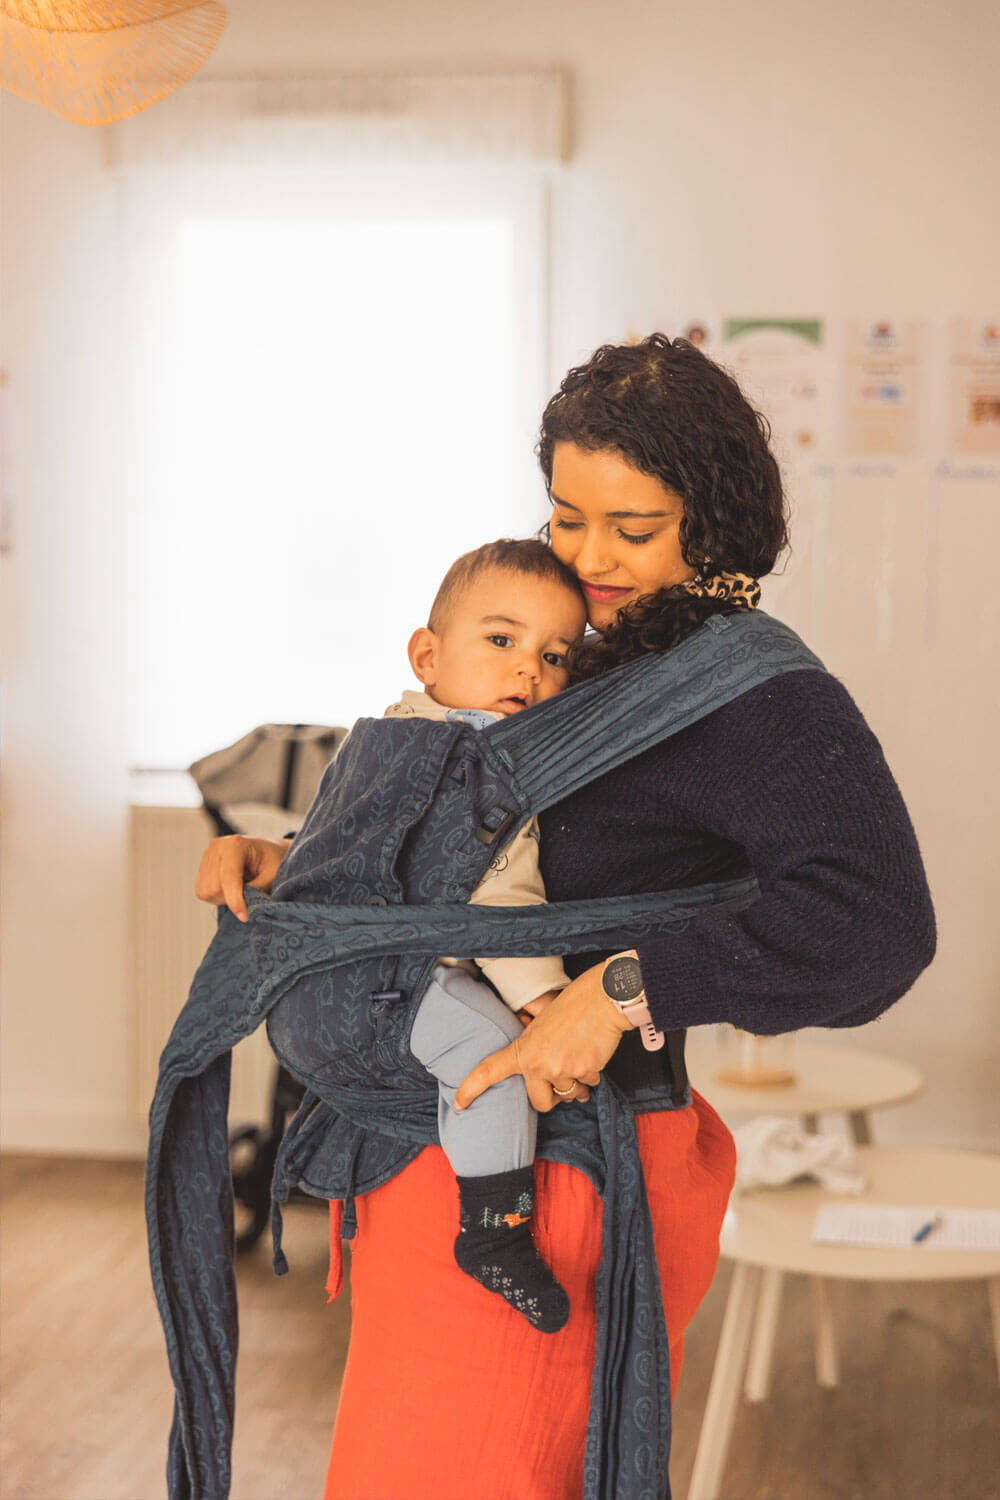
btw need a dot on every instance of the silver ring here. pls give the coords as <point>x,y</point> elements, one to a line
<point>564,1093</point>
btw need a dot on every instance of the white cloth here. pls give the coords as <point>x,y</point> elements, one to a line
<point>773,1149</point>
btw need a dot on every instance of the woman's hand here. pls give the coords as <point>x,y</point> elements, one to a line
<point>534,1008</point>
<point>560,1054</point>
<point>229,864</point>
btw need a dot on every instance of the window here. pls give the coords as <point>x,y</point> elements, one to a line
<point>336,391</point>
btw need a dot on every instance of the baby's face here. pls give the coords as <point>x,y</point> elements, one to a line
<point>503,644</point>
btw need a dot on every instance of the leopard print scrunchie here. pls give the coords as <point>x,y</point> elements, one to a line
<point>737,589</point>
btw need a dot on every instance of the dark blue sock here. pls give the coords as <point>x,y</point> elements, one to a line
<point>495,1247</point>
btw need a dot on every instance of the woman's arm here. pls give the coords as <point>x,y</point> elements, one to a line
<point>844,922</point>
<point>228,864</point>
<point>569,1043</point>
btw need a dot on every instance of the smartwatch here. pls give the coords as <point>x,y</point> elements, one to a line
<point>621,981</point>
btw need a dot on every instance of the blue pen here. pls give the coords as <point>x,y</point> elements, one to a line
<point>926,1229</point>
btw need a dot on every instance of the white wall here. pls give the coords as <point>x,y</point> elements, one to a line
<point>778,158</point>
<point>65,1037</point>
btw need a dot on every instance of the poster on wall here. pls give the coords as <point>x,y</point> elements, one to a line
<point>882,375</point>
<point>974,381</point>
<point>701,332</point>
<point>780,364</point>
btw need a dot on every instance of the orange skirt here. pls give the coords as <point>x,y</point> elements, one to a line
<point>448,1394</point>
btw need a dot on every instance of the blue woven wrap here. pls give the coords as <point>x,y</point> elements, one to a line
<point>374,888</point>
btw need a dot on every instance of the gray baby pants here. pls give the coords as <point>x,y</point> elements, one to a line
<point>459,1022</point>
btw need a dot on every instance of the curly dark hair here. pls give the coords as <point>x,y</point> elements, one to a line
<point>681,418</point>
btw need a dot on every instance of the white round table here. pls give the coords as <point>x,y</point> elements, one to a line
<point>828,1080</point>
<point>837,1080</point>
<point>769,1232</point>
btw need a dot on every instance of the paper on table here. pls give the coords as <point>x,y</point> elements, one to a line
<point>894,1226</point>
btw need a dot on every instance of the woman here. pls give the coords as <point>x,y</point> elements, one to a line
<point>667,503</point>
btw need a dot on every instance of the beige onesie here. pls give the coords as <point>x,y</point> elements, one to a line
<point>513,879</point>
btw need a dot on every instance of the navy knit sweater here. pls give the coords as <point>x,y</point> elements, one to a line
<point>787,781</point>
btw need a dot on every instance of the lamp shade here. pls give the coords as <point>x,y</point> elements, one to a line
<point>92,62</point>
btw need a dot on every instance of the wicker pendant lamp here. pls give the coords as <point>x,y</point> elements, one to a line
<point>92,62</point>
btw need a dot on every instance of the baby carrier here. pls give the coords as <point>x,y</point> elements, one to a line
<point>374,888</point>
<point>263,786</point>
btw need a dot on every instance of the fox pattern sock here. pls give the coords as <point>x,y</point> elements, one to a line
<point>495,1247</point>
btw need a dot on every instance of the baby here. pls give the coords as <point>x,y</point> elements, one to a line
<point>496,643</point>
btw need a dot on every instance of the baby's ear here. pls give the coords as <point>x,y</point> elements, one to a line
<point>422,652</point>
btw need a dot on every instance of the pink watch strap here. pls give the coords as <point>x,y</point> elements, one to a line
<point>638,1013</point>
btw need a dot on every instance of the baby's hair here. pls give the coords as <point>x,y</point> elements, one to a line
<point>527,556</point>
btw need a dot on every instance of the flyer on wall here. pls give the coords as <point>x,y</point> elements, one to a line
<point>780,364</point>
<point>700,331</point>
<point>882,387</point>
<point>974,380</point>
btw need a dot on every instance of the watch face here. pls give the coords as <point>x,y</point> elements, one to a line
<point>622,980</point>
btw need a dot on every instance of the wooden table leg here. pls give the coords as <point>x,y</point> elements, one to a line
<point>758,1379</point>
<point>824,1332</point>
<point>727,1377</point>
<point>993,1290</point>
<point>827,1356</point>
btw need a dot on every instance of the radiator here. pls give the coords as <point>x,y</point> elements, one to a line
<point>169,930</point>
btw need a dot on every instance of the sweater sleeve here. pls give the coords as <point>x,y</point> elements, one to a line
<point>844,923</point>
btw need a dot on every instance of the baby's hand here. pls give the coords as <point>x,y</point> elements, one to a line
<point>534,1008</point>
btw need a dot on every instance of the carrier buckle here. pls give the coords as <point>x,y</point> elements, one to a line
<point>494,825</point>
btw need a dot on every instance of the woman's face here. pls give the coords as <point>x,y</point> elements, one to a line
<point>616,527</point>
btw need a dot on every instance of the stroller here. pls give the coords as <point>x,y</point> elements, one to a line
<point>262,787</point>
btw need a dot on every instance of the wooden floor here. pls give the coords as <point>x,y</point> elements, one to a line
<point>85,1401</point>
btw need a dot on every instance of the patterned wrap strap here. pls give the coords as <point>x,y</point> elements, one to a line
<point>373,888</point>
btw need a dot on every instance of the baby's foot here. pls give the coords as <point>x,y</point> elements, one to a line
<point>494,1247</point>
